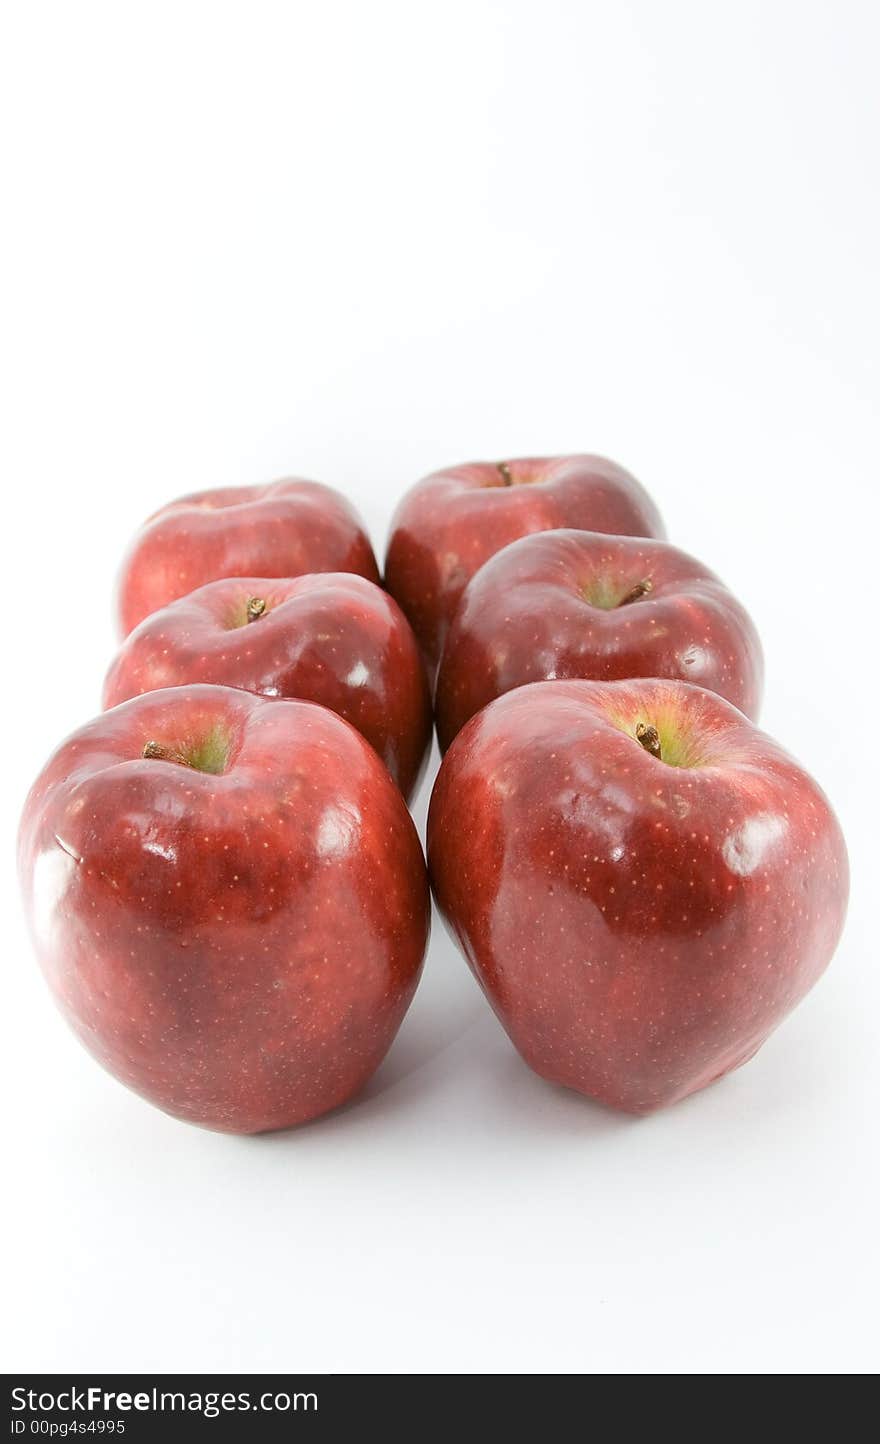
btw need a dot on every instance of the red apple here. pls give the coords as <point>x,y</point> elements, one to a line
<point>332,638</point>
<point>643,883</point>
<point>580,604</point>
<point>448,525</point>
<point>229,901</point>
<point>281,530</point>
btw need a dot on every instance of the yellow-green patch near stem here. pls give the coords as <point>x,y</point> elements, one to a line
<point>208,753</point>
<point>680,745</point>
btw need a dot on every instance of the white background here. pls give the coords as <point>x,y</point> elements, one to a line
<point>355,242</point>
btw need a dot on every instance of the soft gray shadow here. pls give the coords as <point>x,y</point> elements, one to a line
<point>544,1109</point>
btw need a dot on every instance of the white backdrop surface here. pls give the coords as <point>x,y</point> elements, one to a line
<point>356,242</point>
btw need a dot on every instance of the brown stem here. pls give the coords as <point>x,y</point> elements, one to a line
<point>506,476</point>
<point>161,753</point>
<point>255,608</point>
<point>649,737</point>
<point>640,589</point>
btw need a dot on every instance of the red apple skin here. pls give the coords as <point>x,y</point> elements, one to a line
<point>281,530</point>
<point>331,637</point>
<point>527,617</point>
<point>239,948</point>
<point>448,525</point>
<point>639,928</point>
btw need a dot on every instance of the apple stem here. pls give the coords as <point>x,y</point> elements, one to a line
<point>161,753</point>
<point>506,476</point>
<point>649,738</point>
<point>255,608</point>
<point>640,589</point>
